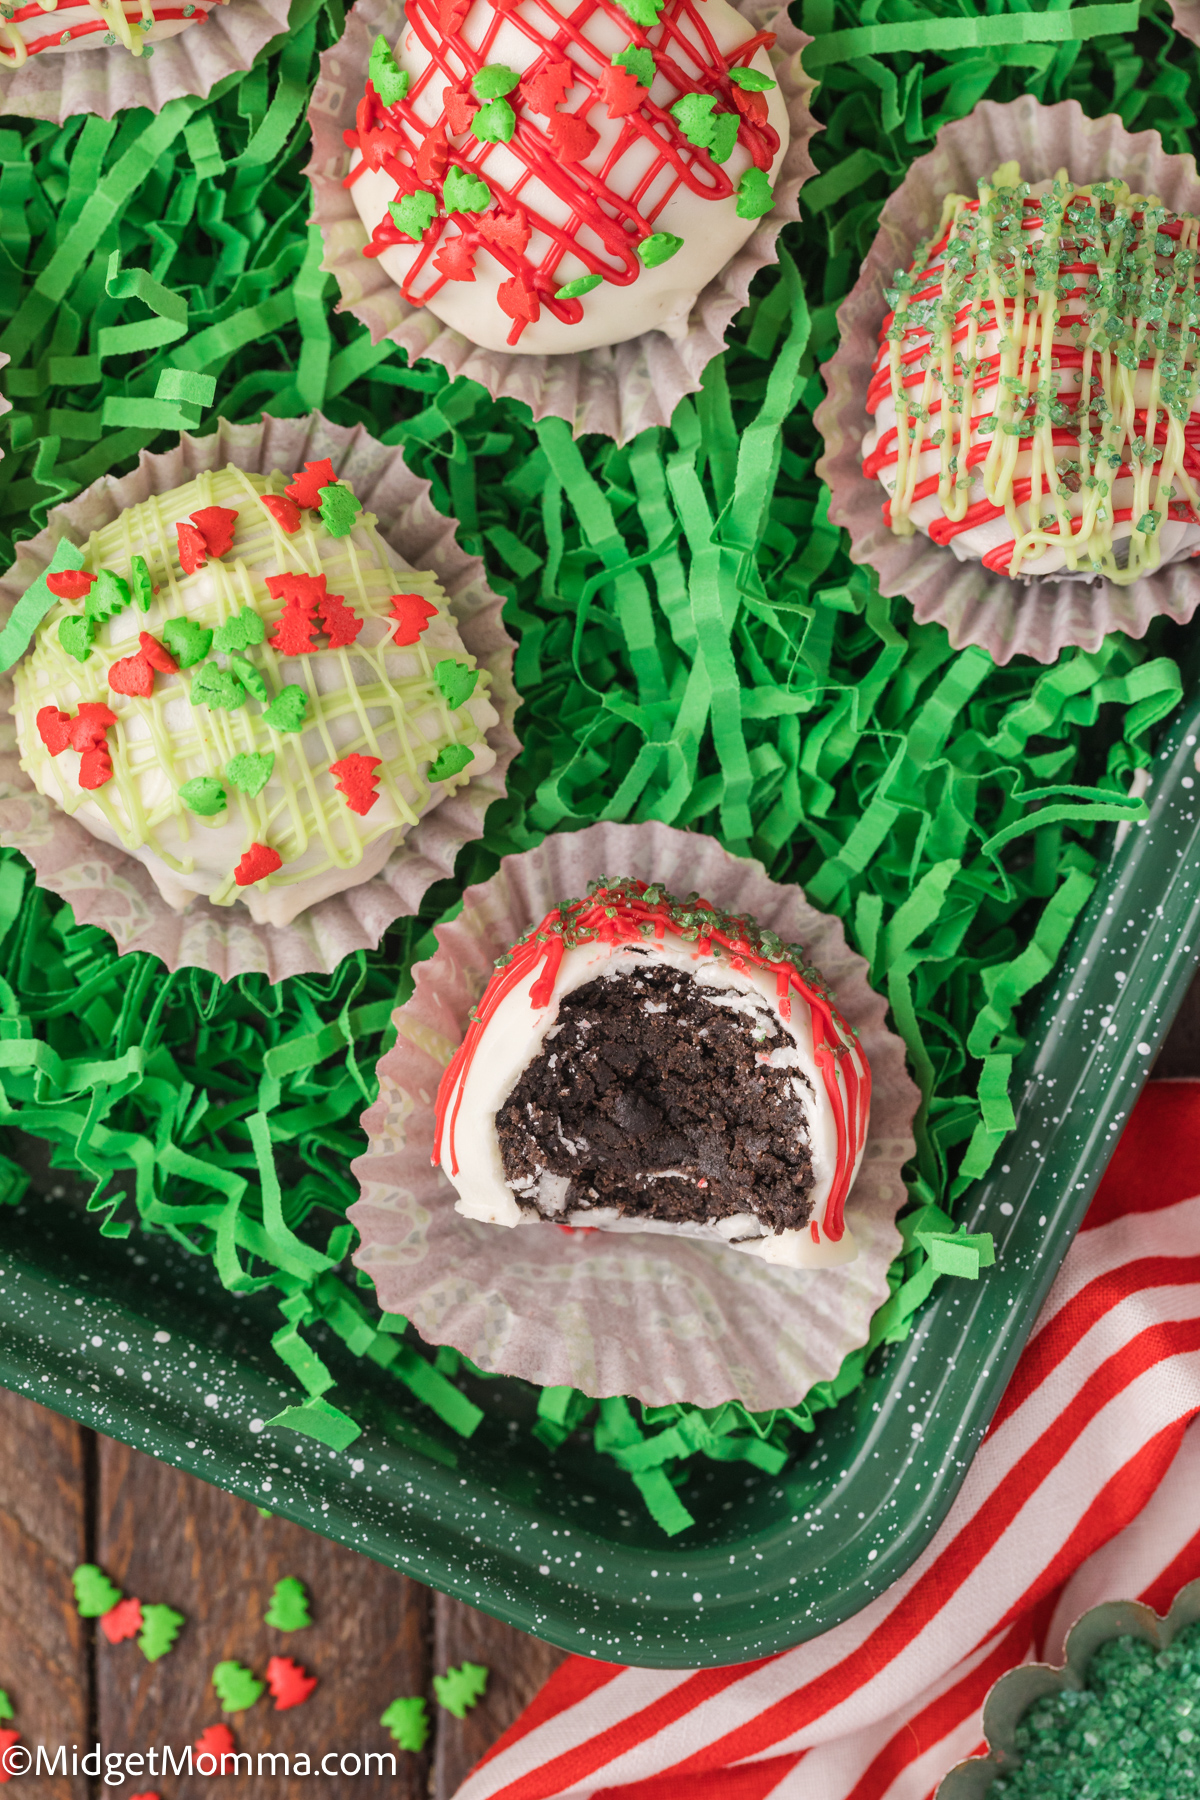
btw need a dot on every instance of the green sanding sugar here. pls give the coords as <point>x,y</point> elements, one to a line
<point>1132,1733</point>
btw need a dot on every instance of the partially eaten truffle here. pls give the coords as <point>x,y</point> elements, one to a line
<point>641,1063</point>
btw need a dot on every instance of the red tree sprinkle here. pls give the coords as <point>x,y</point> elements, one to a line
<point>95,766</point>
<point>548,88</point>
<point>215,525</point>
<point>285,512</point>
<point>412,613</point>
<point>289,1682</point>
<point>518,299</point>
<point>305,489</point>
<point>620,91</point>
<point>132,675</point>
<point>216,1741</point>
<point>54,728</point>
<point>751,105</point>
<point>70,584</point>
<point>304,591</point>
<point>148,1795</point>
<point>431,159</point>
<point>258,862</point>
<point>340,621</point>
<point>356,779</point>
<point>90,724</point>
<point>509,231</point>
<point>193,548</point>
<point>573,138</point>
<point>123,1621</point>
<point>301,595</point>
<point>451,14</point>
<point>460,110</point>
<point>157,655</point>
<point>293,636</point>
<point>7,1739</point>
<point>456,259</point>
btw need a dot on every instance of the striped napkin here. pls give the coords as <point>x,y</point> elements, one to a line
<point>1084,1489</point>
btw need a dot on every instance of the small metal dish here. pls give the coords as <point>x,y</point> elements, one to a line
<point>1013,1695</point>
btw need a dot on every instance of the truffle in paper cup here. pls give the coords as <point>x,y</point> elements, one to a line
<point>1012,1696</point>
<point>104,883</point>
<point>663,1318</point>
<point>94,72</point>
<point>1007,617</point>
<point>618,389</point>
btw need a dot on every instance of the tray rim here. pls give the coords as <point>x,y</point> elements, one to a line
<point>323,1491</point>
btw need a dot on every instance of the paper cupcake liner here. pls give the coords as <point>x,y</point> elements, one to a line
<point>1007,618</point>
<point>662,1318</point>
<point>1185,16</point>
<point>1010,1698</point>
<point>106,886</point>
<point>616,391</point>
<point>105,81</point>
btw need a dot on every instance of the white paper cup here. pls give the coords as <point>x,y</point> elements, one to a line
<point>106,886</point>
<point>658,1317</point>
<point>106,79</point>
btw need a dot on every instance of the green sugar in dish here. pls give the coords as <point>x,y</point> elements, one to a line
<point>1133,1733</point>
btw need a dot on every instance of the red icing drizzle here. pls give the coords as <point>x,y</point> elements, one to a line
<point>605,224</point>
<point>616,918</point>
<point>53,39</point>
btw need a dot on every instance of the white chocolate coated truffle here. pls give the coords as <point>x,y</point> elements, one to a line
<point>371,698</point>
<point>1015,379</point>
<point>641,175</point>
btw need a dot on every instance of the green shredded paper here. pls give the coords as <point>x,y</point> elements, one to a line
<point>695,647</point>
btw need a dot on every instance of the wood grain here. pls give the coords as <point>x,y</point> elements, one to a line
<point>166,1536</point>
<point>45,1648</point>
<point>518,1664</point>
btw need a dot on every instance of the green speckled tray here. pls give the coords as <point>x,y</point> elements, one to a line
<point>139,1341</point>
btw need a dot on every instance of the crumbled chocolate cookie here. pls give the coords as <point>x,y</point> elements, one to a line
<point>660,1097</point>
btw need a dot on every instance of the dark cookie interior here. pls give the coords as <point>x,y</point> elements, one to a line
<point>644,1072</point>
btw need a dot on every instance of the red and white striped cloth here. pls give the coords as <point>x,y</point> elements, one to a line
<point>1086,1488</point>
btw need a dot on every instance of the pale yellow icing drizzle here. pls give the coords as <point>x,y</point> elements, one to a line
<point>299,805</point>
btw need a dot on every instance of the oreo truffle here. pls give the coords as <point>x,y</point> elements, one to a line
<point>1035,394</point>
<point>241,684</point>
<point>641,1063</point>
<point>550,179</point>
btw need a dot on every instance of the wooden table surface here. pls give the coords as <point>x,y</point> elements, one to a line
<point>68,1496</point>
